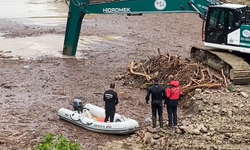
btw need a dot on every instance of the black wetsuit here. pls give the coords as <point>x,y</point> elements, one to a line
<point>111,100</point>
<point>158,94</point>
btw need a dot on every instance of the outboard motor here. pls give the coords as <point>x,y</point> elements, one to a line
<point>78,105</point>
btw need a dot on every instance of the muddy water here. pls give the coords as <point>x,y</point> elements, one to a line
<point>31,8</point>
<point>37,16</point>
<point>49,45</point>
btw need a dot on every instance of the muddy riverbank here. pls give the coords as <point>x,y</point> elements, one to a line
<point>30,104</point>
<point>31,96</point>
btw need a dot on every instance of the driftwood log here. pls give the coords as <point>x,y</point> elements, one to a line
<point>190,75</point>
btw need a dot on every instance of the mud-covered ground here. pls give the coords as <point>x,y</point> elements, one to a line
<point>29,106</point>
<point>31,97</point>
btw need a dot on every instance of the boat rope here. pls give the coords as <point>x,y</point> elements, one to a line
<point>72,118</point>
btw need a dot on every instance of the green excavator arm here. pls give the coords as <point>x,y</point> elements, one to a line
<point>78,9</point>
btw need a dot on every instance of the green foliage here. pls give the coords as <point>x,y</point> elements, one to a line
<point>61,143</point>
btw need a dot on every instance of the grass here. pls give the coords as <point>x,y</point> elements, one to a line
<point>59,143</point>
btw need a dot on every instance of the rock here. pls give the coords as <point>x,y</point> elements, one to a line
<point>100,147</point>
<point>178,131</point>
<point>185,129</point>
<point>126,145</point>
<point>200,108</point>
<point>198,91</point>
<point>156,136</point>
<point>8,56</point>
<point>207,138</point>
<point>59,92</point>
<point>162,134</point>
<point>237,141</point>
<point>238,88</point>
<point>198,96</point>
<point>9,85</point>
<point>192,99</point>
<point>236,105</point>
<point>216,109</point>
<point>223,111</point>
<point>212,129</point>
<point>228,135</point>
<point>129,140</point>
<point>152,142</point>
<point>205,101</point>
<point>51,119</point>
<point>185,122</point>
<point>196,131</point>
<point>15,58</point>
<point>141,104</point>
<point>151,130</point>
<point>218,142</point>
<point>230,113</point>
<point>202,128</point>
<point>213,147</point>
<point>231,88</point>
<point>245,128</point>
<point>206,92</point>
<point>216,102</point>
<point>10,95</point>
<point>119,77</point>
<point>245,95</point>
<point>185,145</point>
<point>147,138</point>
<point>26,67</point>
<point>211,133</point>
<point>162,141</point>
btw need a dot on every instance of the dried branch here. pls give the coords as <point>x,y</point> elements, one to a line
<point>189,84</point>
<point>194,81</point>
<point>224,77</point>
<point>188,89</point>
<point>210,75</point>
<point>137,73</point>
<point>190,75</point>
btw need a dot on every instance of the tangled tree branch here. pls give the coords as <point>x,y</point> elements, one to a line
<point>190,75</point>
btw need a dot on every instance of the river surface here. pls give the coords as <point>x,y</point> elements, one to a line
<point>31,8</point>
<point>37,28</point>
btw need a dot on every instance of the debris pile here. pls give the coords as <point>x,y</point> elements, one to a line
<point>190,75</point>
<point>220,121</point>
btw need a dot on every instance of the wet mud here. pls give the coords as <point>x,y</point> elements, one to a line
<point>31,96</point>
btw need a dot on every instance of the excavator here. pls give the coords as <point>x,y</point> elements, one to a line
<point>225,29</point>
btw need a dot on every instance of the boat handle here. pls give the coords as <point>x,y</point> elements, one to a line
<point>86,123</point>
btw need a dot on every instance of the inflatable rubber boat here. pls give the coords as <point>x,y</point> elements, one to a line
<point>91,117</point>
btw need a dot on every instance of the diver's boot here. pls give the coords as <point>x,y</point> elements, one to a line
<point>154,122</point>
<point>161,122</point>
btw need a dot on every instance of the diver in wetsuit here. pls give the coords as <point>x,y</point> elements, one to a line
<point>111,100</point>
<point>158,94</point>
